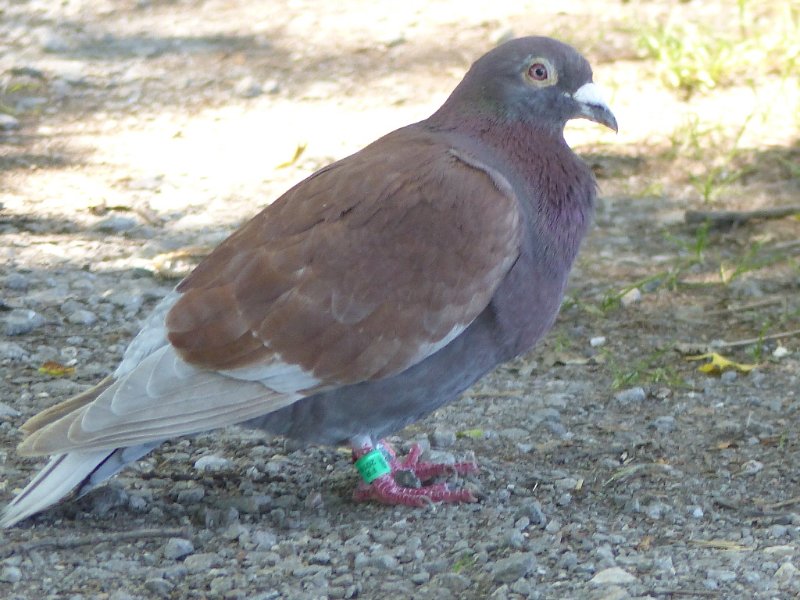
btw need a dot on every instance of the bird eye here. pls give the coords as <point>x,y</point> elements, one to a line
<point>538,72</point>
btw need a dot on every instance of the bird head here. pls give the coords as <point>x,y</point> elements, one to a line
<point>537,80</point>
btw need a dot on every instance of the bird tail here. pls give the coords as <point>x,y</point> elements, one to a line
<point>79,471</point>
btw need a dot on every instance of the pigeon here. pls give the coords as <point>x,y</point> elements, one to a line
<point>365,297</point>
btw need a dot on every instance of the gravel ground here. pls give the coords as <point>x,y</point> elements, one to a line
<point>143,132</point>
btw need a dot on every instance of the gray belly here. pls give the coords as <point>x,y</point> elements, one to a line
<point>379,408</point>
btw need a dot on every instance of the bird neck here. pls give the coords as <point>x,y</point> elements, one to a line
<point>555,187</point>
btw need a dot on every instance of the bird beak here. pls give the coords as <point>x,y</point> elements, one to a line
<point>593,106</point>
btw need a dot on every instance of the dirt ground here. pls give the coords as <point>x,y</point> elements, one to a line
<point>135,135</point>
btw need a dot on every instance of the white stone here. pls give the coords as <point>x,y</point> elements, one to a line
<point>782,550</point>
<point>211,463</point>
<point>781,351</point>
<point>8,411</point>
<point>178,548</point>
<point>631,297</point>
<point>631,395</point>
<point>7,122</point>
<point>10,575</point>
<point>612,576</point>
<point>12,351</point>
<point>786,572</point>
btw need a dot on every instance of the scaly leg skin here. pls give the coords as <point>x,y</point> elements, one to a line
<point>425,471</point>
<point>386,490</point>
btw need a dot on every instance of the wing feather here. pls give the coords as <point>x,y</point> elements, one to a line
<point>359,271</point>
<point>161,398</point>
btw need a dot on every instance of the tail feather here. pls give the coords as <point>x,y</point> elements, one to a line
<point>61,475</point>
<point>115,462</point>
<point>79,471</point>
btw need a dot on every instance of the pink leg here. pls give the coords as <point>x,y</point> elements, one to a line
<point>386,490</point>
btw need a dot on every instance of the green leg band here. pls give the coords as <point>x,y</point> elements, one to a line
<point>372,465</point>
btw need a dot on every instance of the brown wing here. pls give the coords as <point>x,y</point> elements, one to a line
<point>358,272</point>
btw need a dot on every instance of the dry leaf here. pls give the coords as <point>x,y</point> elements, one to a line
<point>56,369</point>
<point>719,364</point>
<point>298,152</point>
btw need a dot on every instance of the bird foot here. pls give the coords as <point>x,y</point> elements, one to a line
<point>386,490</point>
<point>425,471</point>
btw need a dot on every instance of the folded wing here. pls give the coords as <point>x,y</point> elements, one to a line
<point>357,273</point>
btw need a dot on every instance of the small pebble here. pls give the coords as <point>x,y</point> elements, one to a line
<point>631,297</point>
<point>728,377</point>
<point>191,495</point>
<point>211,463</point>
<point>220,585</point>
<point>612,576</point>
<point>384,562</point>
<point>8,411</point>
<point>248,87</point>
<point>782,550</point>
<point>612,592</point>
<point>178,548</point>
<point>454,582</point>
<point>655,510</point>
<point>710,584</point>
<point>82,317</point>
<point>751,467</point>
<point>17,282</point>
<point>553,526</point>
<point>12,351</point>
<point>605,554</point>
<point>781,351</point>
<point>420,577</point>
<point>522,587</point>
<point>515,540</point>
<point>264,540</point>
<point>757,377</point>
<point>785,573</point>
<point>54,42</point>
<point>533,512</point>
<point>10,575</point>
<point>271,86</point>
<point>7,122</point>
<point>598,341</point>
<point>21,321</point>
<point>107,498</point>
<point>204,561</point>
<point>632,395</point>
<point>158,586</point>
<point>665,565</point>
<point>116,224</point>
<point>664,424</point>
<point>508,570</point>
<point>751,577</point>
<point>443,438</point>
<point>137,503</point>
